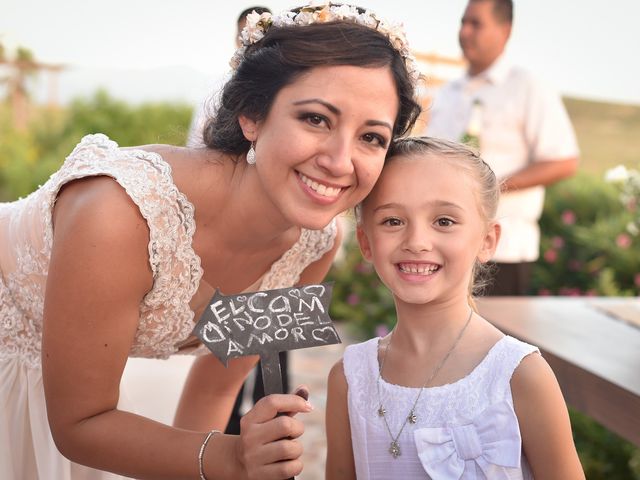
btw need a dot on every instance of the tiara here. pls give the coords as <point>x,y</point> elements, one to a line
<point>323,12</point>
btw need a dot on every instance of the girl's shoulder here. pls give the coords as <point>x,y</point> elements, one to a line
<point>503,359</point>
<point>362,351</point>
<point>361,359</point>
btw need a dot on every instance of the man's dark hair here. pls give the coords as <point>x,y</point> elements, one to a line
<point>247,11</point>
<point>502,10</point>
<point>284,54</point>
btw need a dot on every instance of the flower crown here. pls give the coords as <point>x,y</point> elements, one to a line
<point>323,12</point>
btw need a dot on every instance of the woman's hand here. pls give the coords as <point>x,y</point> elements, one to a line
<point>269,446</point>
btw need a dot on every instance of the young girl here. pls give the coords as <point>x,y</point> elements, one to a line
<point>445,395</point>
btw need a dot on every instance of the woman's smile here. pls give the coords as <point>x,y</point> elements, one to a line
<point>326,192</point>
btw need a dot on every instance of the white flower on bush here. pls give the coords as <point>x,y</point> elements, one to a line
<point>618,174</point>
<point>628,181</point>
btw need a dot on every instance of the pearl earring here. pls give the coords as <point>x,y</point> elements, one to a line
<point>251,155</point>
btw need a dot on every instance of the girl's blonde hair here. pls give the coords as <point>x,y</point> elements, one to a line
<point>466,159</point>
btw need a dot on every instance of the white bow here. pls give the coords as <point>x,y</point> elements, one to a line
<point>491,441</point>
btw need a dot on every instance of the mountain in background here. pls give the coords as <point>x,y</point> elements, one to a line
<point>163,84</point>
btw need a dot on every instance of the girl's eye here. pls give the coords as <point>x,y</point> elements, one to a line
<point>392,222</point>
<point>375,139</point>
<point>444,222</point>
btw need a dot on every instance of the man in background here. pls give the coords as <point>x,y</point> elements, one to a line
<point>523,131</point>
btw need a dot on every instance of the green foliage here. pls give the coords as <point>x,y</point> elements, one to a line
<point>603,454</point>
<point>28,158</point>
<point>585,247</point>
<point>128,125</point>
<point>24,54</point>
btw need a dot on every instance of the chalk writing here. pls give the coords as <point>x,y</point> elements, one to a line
<point>267,321</point>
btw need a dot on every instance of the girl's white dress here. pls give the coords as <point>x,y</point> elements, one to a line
<point>27,451</point>
<point>464,430</point>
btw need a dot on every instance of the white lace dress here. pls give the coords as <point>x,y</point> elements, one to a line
<point>27,450</point>
<point>464,430</point>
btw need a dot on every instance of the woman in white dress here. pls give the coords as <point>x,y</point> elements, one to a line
<point>119,252</point>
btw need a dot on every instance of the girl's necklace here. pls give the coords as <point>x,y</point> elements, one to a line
<point>394,446</point>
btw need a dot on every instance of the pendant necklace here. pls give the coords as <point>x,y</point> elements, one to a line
<point>394,446</point>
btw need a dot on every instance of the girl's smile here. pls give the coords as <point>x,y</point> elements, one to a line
<point>417,271</point>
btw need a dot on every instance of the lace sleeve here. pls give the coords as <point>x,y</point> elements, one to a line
<point>165,315</point>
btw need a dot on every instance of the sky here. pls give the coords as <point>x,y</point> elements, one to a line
<point>177,48</point>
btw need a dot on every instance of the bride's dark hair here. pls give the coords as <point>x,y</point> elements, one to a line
<point>285,53</point>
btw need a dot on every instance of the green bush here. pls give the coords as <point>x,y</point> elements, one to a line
<point>585,248</point>
<point>28,158</point>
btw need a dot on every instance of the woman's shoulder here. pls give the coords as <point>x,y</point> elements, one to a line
<point>99,204</point>
<point>142,172</point>
<point>130,191</point>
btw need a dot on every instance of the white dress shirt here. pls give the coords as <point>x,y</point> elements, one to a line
<point>524,121</point>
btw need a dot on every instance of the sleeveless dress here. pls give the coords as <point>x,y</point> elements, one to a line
<point>27,450</point>
<point>464,430</point>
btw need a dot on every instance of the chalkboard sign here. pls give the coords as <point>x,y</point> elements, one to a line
<point>265,323</point>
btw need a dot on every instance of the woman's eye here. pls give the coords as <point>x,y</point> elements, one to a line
<point>444,222</point>
<point>314,119</point>
<point>376,139</point>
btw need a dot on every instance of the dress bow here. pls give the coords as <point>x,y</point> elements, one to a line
<point>491,441</point>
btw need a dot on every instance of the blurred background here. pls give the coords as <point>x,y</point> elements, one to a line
<point>135,70</point>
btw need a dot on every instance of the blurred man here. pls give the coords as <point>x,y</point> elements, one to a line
<point>523,129</point>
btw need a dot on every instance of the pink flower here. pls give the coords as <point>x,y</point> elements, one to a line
<point>364,267</point>
<point>382,331</point>
<point>544,292</point>
<point>551,255</point>
<point>636,279</point>
<point>623,240</point>
<point>568,217</point>
<point>570,291</point>
<point>591,293</point>
<point>557,242</point>
<point>353,299</point>
<point>575,265</point>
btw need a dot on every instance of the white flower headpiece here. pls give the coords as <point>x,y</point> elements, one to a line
<point>323,12</point>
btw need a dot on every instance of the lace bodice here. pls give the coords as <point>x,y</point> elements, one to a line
<point>458,425</point>
<point>166,318</point>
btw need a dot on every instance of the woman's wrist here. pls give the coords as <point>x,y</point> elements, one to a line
<point>203,448</point>
<point>222,459</point>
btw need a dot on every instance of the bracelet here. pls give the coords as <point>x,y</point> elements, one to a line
<point>201,452</point>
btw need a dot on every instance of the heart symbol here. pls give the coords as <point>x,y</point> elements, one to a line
<point>316,290</point>
<point>325,334</point>
<point>295,293</point>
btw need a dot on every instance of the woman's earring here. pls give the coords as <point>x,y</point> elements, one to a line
<point>251,155</point>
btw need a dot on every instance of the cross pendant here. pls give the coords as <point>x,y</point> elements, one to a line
<point>394,449</point>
